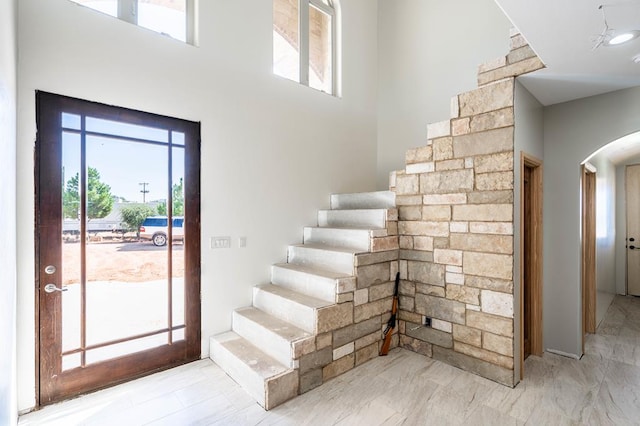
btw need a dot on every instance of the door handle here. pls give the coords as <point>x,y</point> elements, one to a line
<point>632,247</point>
<point>51,288</point>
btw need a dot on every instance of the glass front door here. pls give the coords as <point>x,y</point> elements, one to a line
<point>118,244</point>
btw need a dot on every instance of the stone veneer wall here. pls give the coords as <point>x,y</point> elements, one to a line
<point>350,331</point>
<point>455,224</point>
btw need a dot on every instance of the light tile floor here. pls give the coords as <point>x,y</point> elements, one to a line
<point>603,388</point>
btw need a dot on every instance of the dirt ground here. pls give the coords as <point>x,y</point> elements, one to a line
<point>121,260</point>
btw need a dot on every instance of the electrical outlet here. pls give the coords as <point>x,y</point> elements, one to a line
<point>220,242</point>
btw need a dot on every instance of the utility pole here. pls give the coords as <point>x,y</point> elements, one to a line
<point>144,191</point>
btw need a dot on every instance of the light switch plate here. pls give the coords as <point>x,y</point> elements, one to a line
<point>220,242</point>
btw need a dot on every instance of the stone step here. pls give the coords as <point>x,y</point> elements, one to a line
<point>359,239</point>
<point>312,281</point>
<point>356,218</point>
<point>335,259</point>
<point>364,200</point>
<point>261,376</point>
<point>279,339</point>
<point>288,305</point>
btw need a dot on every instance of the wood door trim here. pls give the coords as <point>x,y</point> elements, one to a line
<point>49,129</point>
<point>536,257</point>
<point>588,243</point>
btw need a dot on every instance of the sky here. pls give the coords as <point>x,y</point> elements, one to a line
<point>124,165</point>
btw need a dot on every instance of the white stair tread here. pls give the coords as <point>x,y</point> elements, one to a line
<point>294,296</point>
<point>308,269</point>
<point>327,247</point>
<point>376,199</point>
<point>282,328</point>
<point>260,363</point>
<point>345,211</point>
<point>349,228</point>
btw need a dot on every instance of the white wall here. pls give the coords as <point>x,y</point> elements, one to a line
<point>528,139</point>
<point>573,131</point>
<point>605,233</point>
<point>272,150</point>
<point>429,51</point>
<point>8,63</point>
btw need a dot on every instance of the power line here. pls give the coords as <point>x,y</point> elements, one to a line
<point>144,191</point>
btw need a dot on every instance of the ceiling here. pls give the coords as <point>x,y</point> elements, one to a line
<point>563,34</point>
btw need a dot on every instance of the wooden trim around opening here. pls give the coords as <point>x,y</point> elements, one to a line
<point>588,250</point>
<point>535,256</point>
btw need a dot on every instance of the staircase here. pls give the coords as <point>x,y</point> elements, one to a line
<point>310,295</point>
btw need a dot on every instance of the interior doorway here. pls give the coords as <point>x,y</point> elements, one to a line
<point>588,250</point>
<point>530,258</point>
<point>632,189</point>
<point>114,301</point>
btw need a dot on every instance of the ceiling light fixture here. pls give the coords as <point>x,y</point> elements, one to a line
<point>623,37</point>
<point>610,36</point>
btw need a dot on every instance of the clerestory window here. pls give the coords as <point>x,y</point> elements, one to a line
<point>305,42</point>
<point>174,18</point>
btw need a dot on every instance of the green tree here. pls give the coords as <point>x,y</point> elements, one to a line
<point>177,196</point>
<point>133,216</point>
<point>99,198</point>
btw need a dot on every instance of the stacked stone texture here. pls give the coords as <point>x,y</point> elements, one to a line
<point>455,224</point>
<point>349,332</point>
<point>451,239</point>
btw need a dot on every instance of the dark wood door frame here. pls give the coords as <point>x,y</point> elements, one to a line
<point>532,254</point>
<point>588,270</point>
<point>48,228</point>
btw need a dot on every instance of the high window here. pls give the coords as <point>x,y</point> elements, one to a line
<point>305,42</point>
<point>174,18</point>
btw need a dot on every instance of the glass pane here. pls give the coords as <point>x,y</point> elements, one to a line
<point>126,279</point>
<point>177,138</point>
<point>110,7</point>
<point>70,121</point>
<point>178,267</point>
<point>320,50</point>
<point>125,348</point>
<point>116,128</point>
<point>178,335</point>
<point>164,16</point>
<point>71,361</point>
<point>286,39</point>
<point>71,315</point>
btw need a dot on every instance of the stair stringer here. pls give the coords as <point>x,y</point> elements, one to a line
<point>344,329</point>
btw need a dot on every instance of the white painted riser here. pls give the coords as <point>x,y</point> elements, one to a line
<point>336,259</point>
<point>297,278</point>
<point>271,335</point>
<point>254,370</point>
<point>365,219</point>
<point>282,303</point>
<point>364,200</point>
<point>358,239</point>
